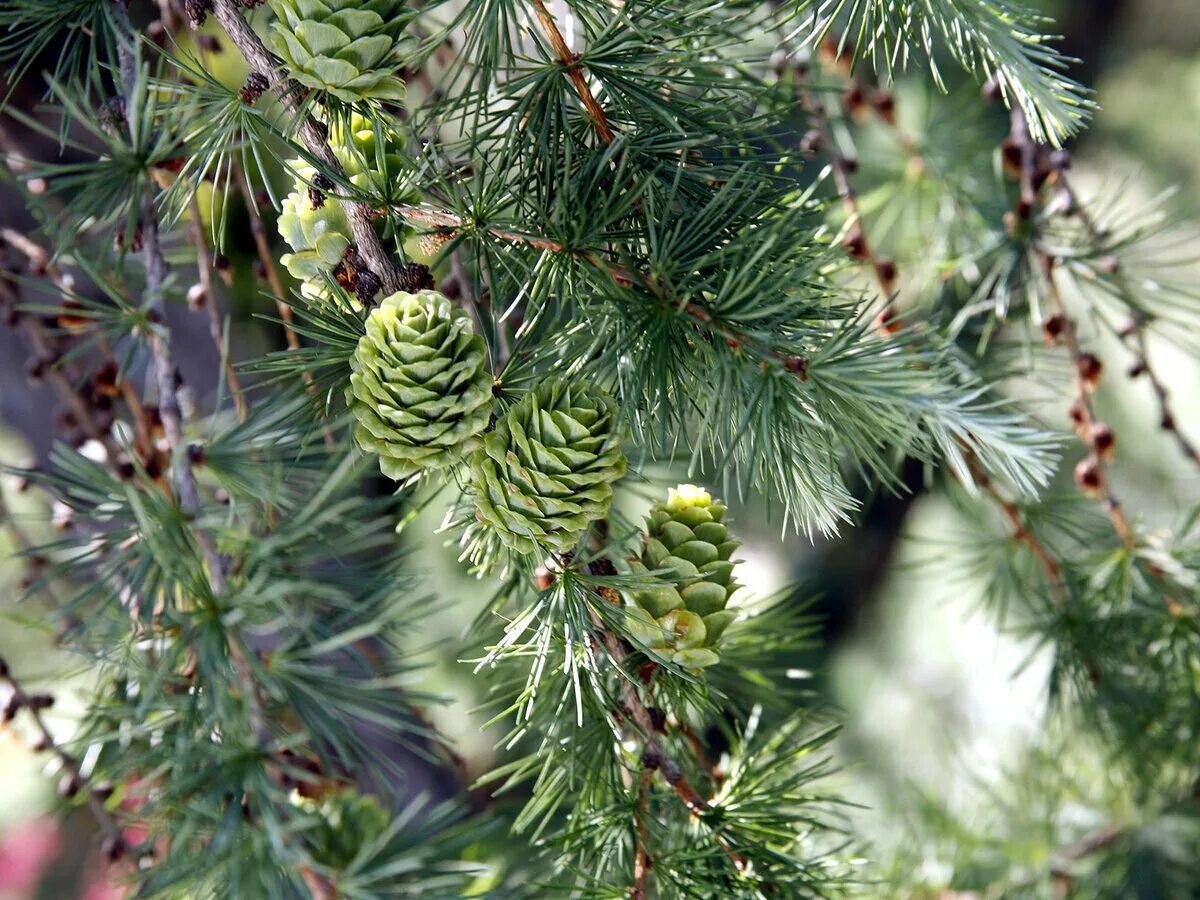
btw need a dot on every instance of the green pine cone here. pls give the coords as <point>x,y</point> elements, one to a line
<point>685,614</point>
<point>346,821</point>
<point>319,236</point>
<point>350,48</point>
<point>420,388</point>
<point>547,469</point>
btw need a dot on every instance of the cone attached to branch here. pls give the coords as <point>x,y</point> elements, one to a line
<point>350,48</point>
<point>546,472</point>
<point>685,615</point>
<point>420,388</point>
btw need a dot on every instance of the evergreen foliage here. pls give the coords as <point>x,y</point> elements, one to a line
<point>536,266</point>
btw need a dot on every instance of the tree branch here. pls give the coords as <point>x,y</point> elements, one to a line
<point>361,217</point>
<point>74,781</point>
<point>1091,474</point>
<point>216,325</point>
<point>569,60</point>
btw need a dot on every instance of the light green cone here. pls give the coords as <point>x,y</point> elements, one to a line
<point>546,471</point>
<point>420,388</point>
<point>686,613</point>
<point>320,236</point>
<point>350,48</point>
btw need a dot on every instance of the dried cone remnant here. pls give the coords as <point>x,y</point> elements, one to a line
<point>349,48</point>
<point>685,617</point>
<point>546,471</point>
<point>420,388</point>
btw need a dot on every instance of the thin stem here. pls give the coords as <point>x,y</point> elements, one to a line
<point>33,704</point>
<point>654,755</point>
<point>267,258</point>
<point>642,862</point>
<point>448,220</point>
<point>1135,332</point>
<point>216,324</point>
<point>856,243</point>
<point>1021,532</point>
<point>573,69</point>
<point>1095,476</point>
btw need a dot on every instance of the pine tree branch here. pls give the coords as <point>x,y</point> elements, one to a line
<point>1021,532</point>
<point>569,60</point>
<point>216,324</point>
<point>1135,332</point>
<point>856,243</point>
<point>1092,473</point>
<point>654,755</point>
<point>262,61</point>
<point>266,258</point>
<point>166,373</point>
<point>74,781</point>
<point>448,220</point>
<point>1166,418</point>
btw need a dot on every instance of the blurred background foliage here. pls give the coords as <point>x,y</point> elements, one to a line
<point>942,698</point>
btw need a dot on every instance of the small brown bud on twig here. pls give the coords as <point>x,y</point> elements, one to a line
<point>197,11</point>
<point>1102,440</point>
<point>812,143</point>
<point>113,848</point>
<point>885,105</point>
<point>1010,155</point>
<point>1090,368</point>
<point>256,85</point>
<point>156,31</point>
<point>543,578</point>
<point>224,268</point>
<point>888,320</point>
<point>1089,476</point>
<point>69,785</point>
<point>856,244</point>
<point>415,277</point>
<point>854,101</point>
<point>1079,415</point>
<point>1054,328</point>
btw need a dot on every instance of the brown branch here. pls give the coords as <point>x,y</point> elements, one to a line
<point>1091,474</point>
<point>654,755</point>
<point>625,277</point>
<point>642,863</point>
<point>821,139</point>
<point>216,325</point>
<point>573,69</point>
<point>74,781</point>
<point>266,258</point>
<point>1021,532</point>
<point>1135,332</point>
<point>361,216</point>
<point>1166,418</point>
